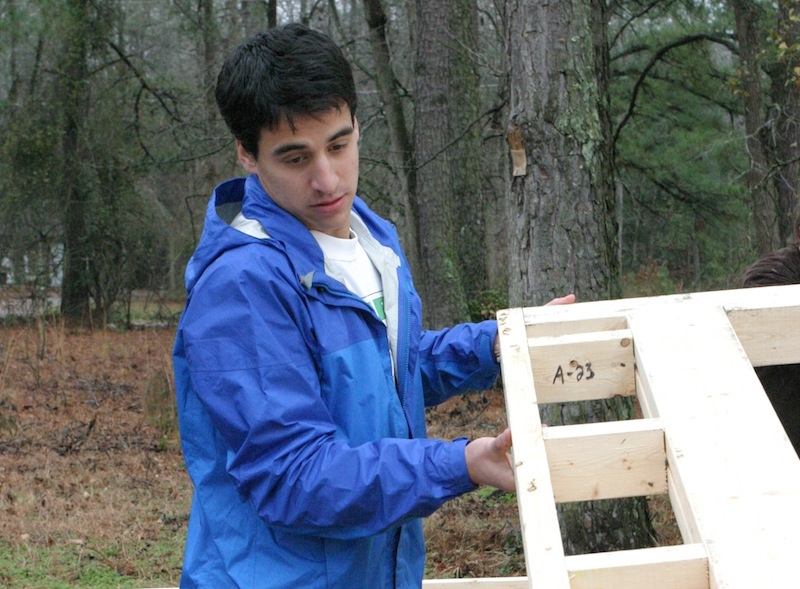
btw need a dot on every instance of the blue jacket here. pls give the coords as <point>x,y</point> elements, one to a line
<point>310,462</point>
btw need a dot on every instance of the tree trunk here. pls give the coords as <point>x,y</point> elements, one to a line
<point>442,291</point>
<point>402,151</point>
<point>748,29</point>
<point>74,74</point>
<point>493,151</point>
<point>467,150</point>
<point>562,204</point>
<point>209,40</point>
<point>785,88</point>
<point>13,40</point>
<point>562,209</point>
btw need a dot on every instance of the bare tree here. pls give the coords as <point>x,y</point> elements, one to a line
<point>74,74</point>
<point>402,146</point>
<point>442,287</point>
<point>748,26</point>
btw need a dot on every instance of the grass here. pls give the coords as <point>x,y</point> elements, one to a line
<point>69,563</point>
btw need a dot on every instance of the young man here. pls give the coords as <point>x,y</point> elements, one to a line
<point>302,370</point>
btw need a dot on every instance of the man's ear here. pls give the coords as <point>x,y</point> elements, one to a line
<point>246,158</point>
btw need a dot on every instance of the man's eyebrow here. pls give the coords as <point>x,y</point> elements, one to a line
<point>343,132</point>
<point>287,147</point>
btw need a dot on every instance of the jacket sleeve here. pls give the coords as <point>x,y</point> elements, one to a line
<point>250,353</point>
<point>457,360</point>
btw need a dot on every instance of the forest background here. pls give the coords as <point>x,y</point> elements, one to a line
<point>524,149</point>
<point>661,141</point>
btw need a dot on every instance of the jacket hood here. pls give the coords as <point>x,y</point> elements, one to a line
<point>246,196</point>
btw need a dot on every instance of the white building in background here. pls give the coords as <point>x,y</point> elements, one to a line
<point>46,271</point>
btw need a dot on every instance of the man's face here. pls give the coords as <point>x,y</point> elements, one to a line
<point>311,172</point>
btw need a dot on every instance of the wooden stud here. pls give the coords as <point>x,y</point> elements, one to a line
<point>607,460</point>
<point>668,567</point>
<point>541,534</point>
<point>583,367</point>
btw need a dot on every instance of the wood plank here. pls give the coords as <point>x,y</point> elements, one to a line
<point>583,367</point>
<point>682,508</point>
<point>587,316</point>
<point>731,464</point>
<point>769,336</point>
<point>679,500</point>
<point>485,583</point>
<point>541,534</point>
<point>669,567</point>
<point>646,403</point>
<point>587,324</point>
<point>607,460</point>
<point>762,317</point>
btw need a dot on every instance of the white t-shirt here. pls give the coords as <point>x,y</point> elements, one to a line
<point>347,262</point>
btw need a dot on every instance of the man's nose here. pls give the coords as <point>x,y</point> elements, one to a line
<point>324,178</point>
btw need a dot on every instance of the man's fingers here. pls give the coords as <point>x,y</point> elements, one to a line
<point>506,435</point>
<point>565,300</point>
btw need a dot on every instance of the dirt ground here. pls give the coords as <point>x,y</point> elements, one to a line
<point>89,457</point>
<point>90,462</point>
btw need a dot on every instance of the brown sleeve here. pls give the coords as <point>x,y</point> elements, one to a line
<point>779,267</point>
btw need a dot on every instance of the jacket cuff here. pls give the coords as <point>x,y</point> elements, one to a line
<point>486,349</point>
<point>460,482</point>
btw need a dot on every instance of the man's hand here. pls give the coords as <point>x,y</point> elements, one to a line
<point>488,462</point>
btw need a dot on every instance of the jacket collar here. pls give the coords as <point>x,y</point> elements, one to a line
<point>279,224</point>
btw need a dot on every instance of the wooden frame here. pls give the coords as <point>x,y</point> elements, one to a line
<point>709,437</point>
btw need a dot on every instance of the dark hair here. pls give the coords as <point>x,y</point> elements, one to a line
<point>281,74</point>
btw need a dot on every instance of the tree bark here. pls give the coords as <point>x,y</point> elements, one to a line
<point>785,89</point>
<point>562,209</point>
<point>13,39</point>
<point>74,74</point>
<point>442,291</point>
<point>562,205</point>
<point>402,147</point>
<point>467,150</point>
<point>763,204</point>
<point>209,41</point>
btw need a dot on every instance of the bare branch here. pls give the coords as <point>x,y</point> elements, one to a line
<point>145,85</point>
<point>657,57</point>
